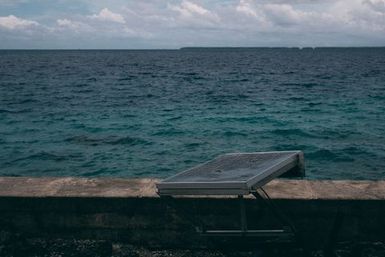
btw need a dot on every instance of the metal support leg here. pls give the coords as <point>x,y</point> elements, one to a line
<point>244,231</point>
<point>243,213</point>
<point>276,211</point>
<point>283,219</point>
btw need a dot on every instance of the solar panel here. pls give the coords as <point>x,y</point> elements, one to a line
<point>232,174</point>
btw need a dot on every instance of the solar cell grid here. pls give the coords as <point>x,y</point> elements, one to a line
<point>230,172</point>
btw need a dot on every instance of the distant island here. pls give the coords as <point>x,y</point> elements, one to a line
<point>273,47</point>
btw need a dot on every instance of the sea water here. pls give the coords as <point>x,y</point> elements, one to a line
<point>153,113</point>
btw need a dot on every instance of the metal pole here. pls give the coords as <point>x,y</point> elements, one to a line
<point>243,213</point>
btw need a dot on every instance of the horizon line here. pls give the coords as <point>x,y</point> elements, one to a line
<point>184,48</point>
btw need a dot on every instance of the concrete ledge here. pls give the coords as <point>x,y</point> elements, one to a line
<point>127,188</point>
<point>76,187</point>
<point>129,210</point>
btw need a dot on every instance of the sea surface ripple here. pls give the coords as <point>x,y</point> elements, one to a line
<point>157,112</point>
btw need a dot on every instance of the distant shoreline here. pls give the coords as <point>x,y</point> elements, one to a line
<point>199,48</point>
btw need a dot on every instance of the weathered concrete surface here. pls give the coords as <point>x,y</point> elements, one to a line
<point>129,210</point>
<point>126,188</point>
<point>76,187</point>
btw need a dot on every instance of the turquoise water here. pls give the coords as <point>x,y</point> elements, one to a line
<point>154,113</point>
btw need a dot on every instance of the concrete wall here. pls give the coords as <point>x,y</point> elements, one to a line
<point>129,210</point>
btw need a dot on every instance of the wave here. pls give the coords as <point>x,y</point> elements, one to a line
<point>80,85</point>
<point>15,111</point>
<point>336,134</point>
<point>28,101</point>
<point>83,91</point>
<point>110,140</point>
<point>234,133</point>
<point>236,80</point>
<point>96,173</point>
<point>346,154</point>
<point>128,78</point>
<point>292,132</point>
<point>328,155</point>
<point>47,156</point>
<point>296,98</point>
<point>309,85</point>
<point>168,132</point>
<point>314,103</point>
<point>6,111</point>
<point>194,145</point>
<point>360,151</point>
<point>126,141</point>
<point>175,118</point>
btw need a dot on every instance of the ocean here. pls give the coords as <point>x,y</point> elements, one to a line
<point>152,113</point>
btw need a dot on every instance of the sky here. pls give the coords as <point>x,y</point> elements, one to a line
<point>170,24</point>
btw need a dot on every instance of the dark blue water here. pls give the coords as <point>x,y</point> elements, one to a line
<point>154,113</point>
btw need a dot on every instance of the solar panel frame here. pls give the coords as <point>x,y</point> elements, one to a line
<point>173,186</point>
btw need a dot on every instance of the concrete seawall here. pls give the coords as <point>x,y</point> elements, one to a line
<point>129,210</point>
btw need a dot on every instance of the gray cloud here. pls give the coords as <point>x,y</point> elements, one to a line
<point>376,5</point>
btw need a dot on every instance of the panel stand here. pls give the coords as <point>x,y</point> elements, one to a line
<point>287,232</point>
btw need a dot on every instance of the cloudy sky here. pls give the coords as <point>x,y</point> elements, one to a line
<point>176,23</point>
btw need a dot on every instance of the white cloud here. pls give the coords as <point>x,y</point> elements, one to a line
<point>246,8</point>
<point>65,23</point>
<point>107,15</point>
<point>194,12</point>
<point>91,27</point>
<point>284,14</point>
<point>77,26</point>
<point>189,8</point>
<point>12,22</point>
